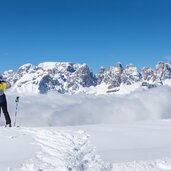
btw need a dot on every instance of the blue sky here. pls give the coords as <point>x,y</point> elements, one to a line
<point>96,32</point>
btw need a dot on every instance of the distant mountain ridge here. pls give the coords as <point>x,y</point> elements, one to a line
<point>71,78</point>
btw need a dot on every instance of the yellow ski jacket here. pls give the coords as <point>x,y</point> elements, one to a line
<point>3,86</point>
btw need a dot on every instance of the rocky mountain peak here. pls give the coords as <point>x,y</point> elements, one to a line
<point>66,77</point>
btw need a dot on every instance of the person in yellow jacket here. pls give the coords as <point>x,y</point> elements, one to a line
<point>3,102</point>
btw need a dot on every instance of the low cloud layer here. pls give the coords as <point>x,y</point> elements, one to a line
<point>59,110</point>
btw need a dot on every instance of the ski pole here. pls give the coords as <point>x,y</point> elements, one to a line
<point>16,109</point>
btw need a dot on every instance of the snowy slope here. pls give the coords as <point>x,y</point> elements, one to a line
<point>135,146</point>
<point>133,141</point>
<point>142,146</point>
<point>47,149</point>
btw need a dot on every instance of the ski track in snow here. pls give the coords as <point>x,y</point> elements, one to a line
<point>64,151</point>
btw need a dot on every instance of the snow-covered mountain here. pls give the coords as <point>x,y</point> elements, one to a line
<point>71,78</point>
<point>87,132</point>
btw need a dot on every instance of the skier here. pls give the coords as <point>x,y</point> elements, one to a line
<point>3,101</point>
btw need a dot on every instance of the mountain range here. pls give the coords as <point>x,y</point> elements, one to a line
<point>71,78</point>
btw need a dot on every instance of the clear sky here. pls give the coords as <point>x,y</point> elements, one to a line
<point>96,32</point>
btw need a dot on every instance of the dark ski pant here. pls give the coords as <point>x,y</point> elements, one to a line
<point>3,105</point>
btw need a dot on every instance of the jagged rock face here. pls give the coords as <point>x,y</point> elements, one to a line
<point>163,70</point>
<point>111,77</point>
<point>148,74</point>
<point>47,83</point>
<point>117,75</point>
<point>9,75</point>
<point>65,77</point>
<point>61,77</point>
<point>25,69</point>
<point>78,75</point>
<point>130,75</point>
<point>100,75</point>
<point>84,76</point>
<point>153,77</point>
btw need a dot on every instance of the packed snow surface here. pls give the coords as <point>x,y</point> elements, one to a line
<point>49,149</point>
<point>135,146</point>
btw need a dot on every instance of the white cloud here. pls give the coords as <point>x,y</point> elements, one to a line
<point>59,110</point>
<point>168,57</point>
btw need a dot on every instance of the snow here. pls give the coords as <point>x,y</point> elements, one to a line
<point>71,78</point>
<point>118,143</point>
<point>102,89</point>
<point>127,89</point>
<point>103,147</point>
<point>98,90</point>
<point>167,82</point>
<point>15,147</point>
<point>51,65</point>
<point>51,149</point>
<point>88,133</point>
